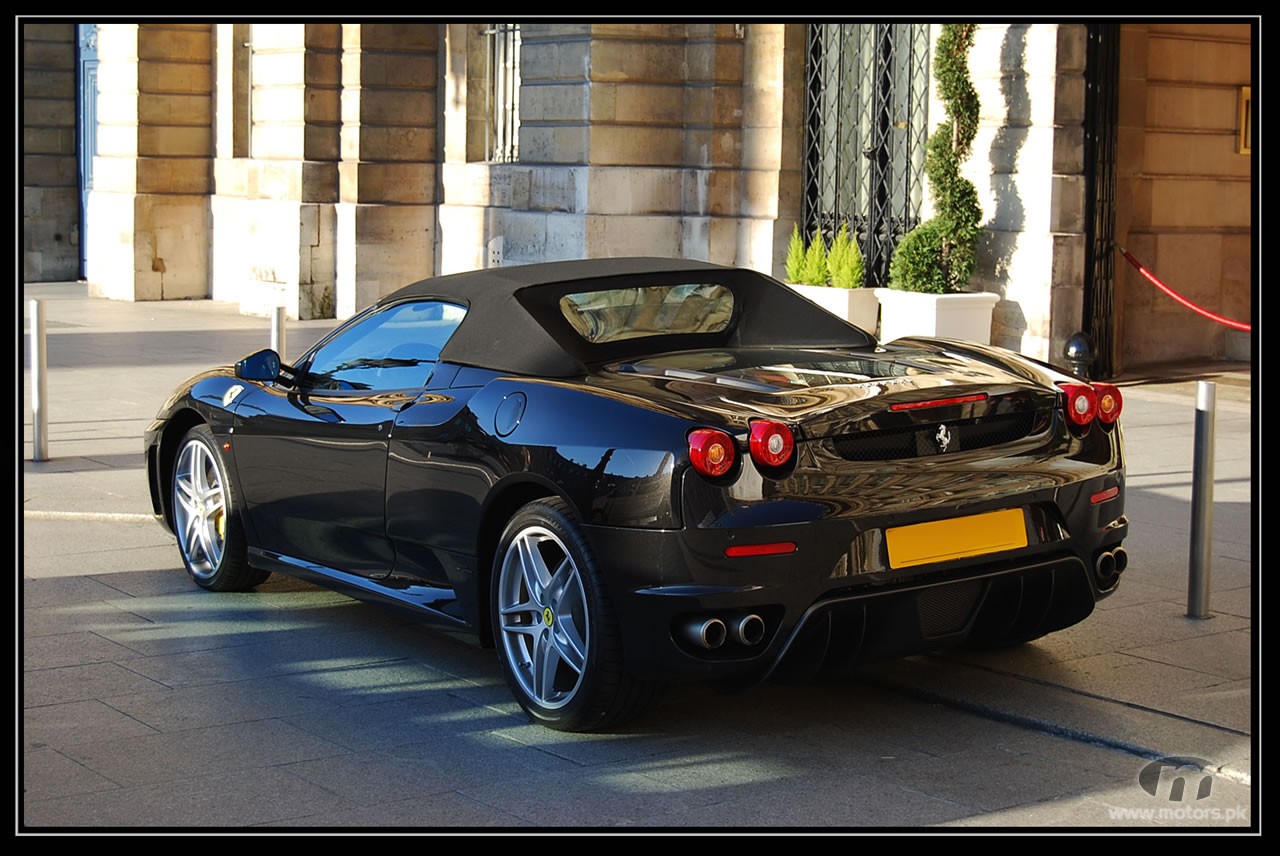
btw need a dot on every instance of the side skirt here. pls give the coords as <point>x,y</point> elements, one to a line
<point>423,602</point>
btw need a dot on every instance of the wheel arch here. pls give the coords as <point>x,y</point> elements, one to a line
<point>504,500</point>
<point>179,423</point>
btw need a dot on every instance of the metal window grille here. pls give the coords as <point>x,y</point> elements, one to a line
<point>865,132</point>
<point>503,142</point>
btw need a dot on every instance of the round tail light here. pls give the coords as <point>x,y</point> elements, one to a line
<point>771,443</point>
<point>1081,404</point>
<point>711,451</point>
<point>1110,402</point>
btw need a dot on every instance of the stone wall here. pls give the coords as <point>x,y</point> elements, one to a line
<point>637,139</point>
<point>50,194</point>
<point>1184,191</point>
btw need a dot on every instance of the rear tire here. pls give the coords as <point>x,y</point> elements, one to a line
<point>554,627</point>
<point>206,517</point>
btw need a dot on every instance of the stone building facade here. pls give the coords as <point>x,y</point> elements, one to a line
<point>322,165</point>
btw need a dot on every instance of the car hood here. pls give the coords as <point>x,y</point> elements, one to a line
<point>825,392</point>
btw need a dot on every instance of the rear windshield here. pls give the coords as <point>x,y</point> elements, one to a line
<point>653,310</point>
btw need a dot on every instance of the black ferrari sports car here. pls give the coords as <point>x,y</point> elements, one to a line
<point>624,472</point>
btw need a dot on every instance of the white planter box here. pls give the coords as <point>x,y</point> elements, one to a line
<point>950,316</point>
<point>858,306</point>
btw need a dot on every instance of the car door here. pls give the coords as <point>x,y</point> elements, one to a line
<point>311,451</point>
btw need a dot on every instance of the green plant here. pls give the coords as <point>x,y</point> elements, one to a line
<point>795,255</point>
<point>940,253</point>
<point>814,270</point>
<point>844,260</point>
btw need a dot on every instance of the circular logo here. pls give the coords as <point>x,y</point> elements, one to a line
<point>548,616</point>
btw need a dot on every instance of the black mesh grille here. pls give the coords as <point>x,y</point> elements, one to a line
<point>946,609</point>
<point>919,441</point>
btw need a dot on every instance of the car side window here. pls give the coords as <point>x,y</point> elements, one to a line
<point>393,348</point>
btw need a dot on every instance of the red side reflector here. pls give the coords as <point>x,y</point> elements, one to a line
<point>939,402</point>
<point>1103,496</point>
<point>776,549</point>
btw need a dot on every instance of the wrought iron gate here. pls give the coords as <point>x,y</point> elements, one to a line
<point>1102,75</point>
<point>865,132</point>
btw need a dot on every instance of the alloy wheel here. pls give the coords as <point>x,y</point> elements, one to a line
<point>199,508</point>
<point>543,621</point>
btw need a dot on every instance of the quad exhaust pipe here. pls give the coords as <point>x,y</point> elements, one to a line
<point>708,633</point>
<point>1110,564</point>
<point>747,629</point>
<point>711,633</point>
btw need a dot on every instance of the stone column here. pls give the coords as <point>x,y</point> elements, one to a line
<point>50,197</point>
<point>773,97</point>
<point>469,187</point>
<point>277,179</point>
<point>1027,164</point>
<point>712,145</point>
<point>149,204</point>
<point>387,171</point>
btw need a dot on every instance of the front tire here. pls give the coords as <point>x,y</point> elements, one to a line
<point>206,517</point>
<point>554,626</point>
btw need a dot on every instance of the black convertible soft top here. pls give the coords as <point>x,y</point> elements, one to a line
<point>514,324</point>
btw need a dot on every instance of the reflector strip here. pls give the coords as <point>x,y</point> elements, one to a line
<point>776,549</point>
<point>938,402</point>
<point>1103,496</point>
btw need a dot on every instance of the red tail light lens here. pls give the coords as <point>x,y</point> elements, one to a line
<point>1082,403</point>
<point>771,443</point>
<point>1110,402</point>
<point>711,451</point>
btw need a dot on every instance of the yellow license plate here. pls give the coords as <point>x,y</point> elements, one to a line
<point>957,538</point>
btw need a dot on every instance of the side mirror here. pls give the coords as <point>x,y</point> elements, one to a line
<point>261,365</point>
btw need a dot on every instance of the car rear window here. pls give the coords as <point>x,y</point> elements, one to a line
<point>653,310</point>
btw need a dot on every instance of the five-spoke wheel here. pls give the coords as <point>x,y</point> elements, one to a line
<point>543,608</point>
<point>554,626</point>
<point>205,518</point>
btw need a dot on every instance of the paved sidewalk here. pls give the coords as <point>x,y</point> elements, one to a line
<point>134,685</point>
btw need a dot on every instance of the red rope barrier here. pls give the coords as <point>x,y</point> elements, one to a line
<point>1238,325</point>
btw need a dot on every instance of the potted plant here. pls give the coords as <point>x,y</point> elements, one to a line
<point>932,264</point>
<point>832,278</point>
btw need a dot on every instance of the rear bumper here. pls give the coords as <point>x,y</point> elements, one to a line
<point>837,592</point>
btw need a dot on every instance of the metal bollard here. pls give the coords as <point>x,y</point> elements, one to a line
<point>39,384</point>
<point>1079,354</point>
<point>278,332</point>
<point>1201,503</point>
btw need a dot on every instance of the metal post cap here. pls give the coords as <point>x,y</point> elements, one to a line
<point>1079,348</point>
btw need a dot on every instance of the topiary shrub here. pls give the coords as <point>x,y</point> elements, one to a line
<point>844,260</point>
<point>916,264</point>
<point>941,257</point>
